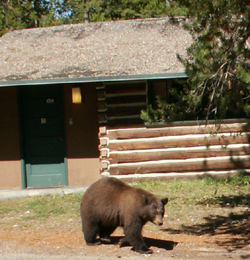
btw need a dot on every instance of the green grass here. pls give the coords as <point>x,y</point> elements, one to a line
<point>198,191</point>
<point>208,195</point>
<point>184,197</point>
<point>41,208</point>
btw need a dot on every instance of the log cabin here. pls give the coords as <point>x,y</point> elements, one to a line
<point>64,89</point>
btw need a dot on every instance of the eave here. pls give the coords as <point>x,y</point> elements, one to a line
<point>120,78</point>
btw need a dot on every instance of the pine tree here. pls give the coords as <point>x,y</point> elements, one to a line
<point>217,62</point>
<point>105,10</point>
<point>19,14</point>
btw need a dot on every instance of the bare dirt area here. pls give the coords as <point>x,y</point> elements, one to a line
<point>219,236</point>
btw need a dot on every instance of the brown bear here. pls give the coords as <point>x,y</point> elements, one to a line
<point>109,203</point>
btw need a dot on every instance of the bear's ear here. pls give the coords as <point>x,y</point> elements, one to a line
<point>145,199</point>
<point>164,201</point>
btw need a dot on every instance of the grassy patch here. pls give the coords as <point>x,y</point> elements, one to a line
<point>198,191</point>
<point>40,212</point>
<point>42,207</point>
<point>189,202</point>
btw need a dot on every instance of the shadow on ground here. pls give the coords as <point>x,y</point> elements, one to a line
<point>236,225</point>
<point>159,243</point>
<point>164,244</point>
<point>229,201</point>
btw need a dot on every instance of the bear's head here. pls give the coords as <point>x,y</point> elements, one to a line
<point>154,209</point>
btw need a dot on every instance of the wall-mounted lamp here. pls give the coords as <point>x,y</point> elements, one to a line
<point>76,96</point>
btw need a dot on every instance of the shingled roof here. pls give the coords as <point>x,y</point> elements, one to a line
<point>115,48</point>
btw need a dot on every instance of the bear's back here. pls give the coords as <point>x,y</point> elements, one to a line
<point>109,185</point>
<point>109,189</point>
<point>104,191</point>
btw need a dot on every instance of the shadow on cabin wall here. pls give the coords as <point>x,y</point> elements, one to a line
<point>239,164</point>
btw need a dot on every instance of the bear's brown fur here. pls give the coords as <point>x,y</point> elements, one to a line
<point>109,203</point>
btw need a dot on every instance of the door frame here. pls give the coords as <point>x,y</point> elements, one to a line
<point>22,139</point>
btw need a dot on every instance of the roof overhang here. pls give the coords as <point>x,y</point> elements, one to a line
<point>120,78</point>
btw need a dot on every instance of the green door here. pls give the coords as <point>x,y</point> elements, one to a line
<point>44,136</point>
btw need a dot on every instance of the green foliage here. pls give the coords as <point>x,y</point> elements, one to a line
<point>166,112</point>
<point>217,62</point>
<point>19,14</point>
<point>116,9</point>
<point>174,108</point>
<point>76,11</point>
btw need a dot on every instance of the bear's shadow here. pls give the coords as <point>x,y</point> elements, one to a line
<point>164,244</point>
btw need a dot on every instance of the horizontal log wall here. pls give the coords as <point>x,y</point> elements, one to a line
<point>120,104</point>
<point>175,151</point>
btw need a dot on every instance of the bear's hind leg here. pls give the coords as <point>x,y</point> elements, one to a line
<point>105,232</point>
<point>90,233</point>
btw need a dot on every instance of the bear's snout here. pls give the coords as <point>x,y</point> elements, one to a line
<point>158,220</point>
<point>160,223</point>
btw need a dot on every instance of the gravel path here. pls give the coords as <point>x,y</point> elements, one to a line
<point>12,251</point>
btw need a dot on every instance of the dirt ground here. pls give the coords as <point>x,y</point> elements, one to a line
<point>54,240</point>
